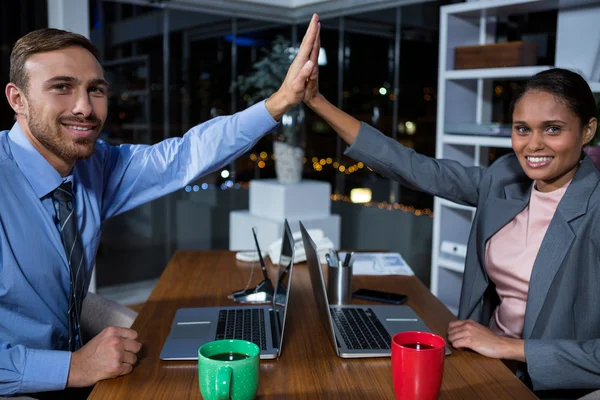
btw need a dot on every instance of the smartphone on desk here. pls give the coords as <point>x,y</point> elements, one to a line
<point>376,295</point>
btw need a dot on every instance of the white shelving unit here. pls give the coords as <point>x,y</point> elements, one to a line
<point>466,95</point>
<point>487,141</point>
<point>494,73</point>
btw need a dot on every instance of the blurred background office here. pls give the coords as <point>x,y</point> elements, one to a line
<point>174,64</point>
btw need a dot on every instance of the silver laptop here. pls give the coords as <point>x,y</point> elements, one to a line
<point>263,325</point>
<point>357,331</point>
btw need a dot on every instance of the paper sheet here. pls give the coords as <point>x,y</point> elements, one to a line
<point>378,264</point>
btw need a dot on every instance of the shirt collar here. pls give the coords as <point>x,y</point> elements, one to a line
<point>42,176</point>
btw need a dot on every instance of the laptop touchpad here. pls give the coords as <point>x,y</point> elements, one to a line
<point>191,331</point>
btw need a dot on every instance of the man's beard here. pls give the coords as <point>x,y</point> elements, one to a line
<point>52,137</point>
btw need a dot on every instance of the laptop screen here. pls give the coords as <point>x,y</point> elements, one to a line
<point>286,259</point>
<point>284,279</point>
<point>318,283</point>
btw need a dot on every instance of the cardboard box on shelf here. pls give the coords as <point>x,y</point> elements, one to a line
<point>496,55</point>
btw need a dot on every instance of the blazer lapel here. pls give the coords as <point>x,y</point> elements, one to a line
<point>558,240</point>
<point>500,211</point>
<point>497,212</point>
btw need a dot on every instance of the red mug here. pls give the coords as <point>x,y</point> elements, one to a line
<point>417,365</point>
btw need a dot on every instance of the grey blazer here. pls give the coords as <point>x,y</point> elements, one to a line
<point>562,318</point>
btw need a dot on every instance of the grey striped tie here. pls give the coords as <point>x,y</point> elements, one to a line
<point>74,250</point>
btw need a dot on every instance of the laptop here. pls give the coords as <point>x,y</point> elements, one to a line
<point>261,324</point>
<point>357,331</point>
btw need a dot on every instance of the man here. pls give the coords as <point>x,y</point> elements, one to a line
<point>59,182</point>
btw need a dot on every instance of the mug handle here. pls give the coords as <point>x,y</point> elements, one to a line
<point>223,382</point>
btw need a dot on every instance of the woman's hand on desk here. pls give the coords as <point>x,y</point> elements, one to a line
<point>468,334</point>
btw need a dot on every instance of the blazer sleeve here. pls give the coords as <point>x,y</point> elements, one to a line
<point>563,364</point>
<point>444,178</point>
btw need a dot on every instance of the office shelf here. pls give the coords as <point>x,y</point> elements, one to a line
<point>451,265</point>
<point>453,309</point>
<point>475,140</point>
<point>503,8</point>
<point>450,204</point>
<point>495,73</point>
<point>466,96</point>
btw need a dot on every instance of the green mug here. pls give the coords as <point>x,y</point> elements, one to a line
<point>228,369</point>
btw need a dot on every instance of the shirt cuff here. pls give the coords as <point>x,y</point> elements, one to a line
<point>257,120</point>
<point>45,370</point>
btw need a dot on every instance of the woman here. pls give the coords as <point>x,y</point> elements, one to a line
<point>530,288</point>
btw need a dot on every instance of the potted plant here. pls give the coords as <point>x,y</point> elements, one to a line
<point>592,149</point>
<point>289,140</point>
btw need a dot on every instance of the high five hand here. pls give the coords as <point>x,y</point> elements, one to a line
<point>312,87</point>
<point>293,88</point>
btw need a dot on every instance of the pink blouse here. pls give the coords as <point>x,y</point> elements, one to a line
<point>509,258</point>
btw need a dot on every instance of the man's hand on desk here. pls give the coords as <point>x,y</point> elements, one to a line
<point>468,334</point>
<point>110,354</point>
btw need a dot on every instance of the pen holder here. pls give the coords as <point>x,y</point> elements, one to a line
<point>339,285</point>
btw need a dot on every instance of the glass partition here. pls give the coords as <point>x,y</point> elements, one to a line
<point>172,69</point>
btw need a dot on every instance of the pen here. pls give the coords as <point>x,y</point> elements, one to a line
<point>347,259</point>
<point>334,258</point>
<point>328,259</point>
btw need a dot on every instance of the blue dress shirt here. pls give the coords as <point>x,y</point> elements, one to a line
<point>34,273</point>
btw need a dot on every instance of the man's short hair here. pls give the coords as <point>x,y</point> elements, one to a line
<point>41,41</point>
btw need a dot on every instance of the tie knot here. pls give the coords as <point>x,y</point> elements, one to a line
<point>64,193</point>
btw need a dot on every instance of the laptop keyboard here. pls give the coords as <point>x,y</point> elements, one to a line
<point>247,324</point>
<point>360,328</point>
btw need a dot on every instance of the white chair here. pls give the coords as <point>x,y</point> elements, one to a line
<point>591,396</point>
<point>99,313</point>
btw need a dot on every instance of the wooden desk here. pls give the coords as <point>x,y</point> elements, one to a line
<point>308,367</point>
